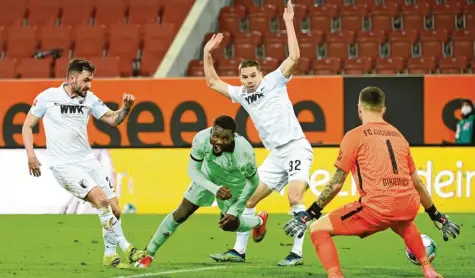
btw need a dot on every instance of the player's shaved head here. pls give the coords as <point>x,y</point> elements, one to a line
<point>225,122</point>
<point>372,99</point>
<point>77,66</point>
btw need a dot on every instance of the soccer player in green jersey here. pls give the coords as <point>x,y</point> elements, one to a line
<point>222,166</point>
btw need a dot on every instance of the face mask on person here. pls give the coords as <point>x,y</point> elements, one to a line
<point>466,110</point>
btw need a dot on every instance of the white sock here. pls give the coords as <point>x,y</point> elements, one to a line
<point>298,242</point>
<point>112,225</point>
<point>109,243</point>
<point>242,237</point>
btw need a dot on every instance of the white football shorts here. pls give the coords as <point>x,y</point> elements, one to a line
<point>80,178</point>
<point>287,163</point>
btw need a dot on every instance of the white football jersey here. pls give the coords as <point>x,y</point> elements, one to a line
<point>65,122</point>
<point>270,109</point>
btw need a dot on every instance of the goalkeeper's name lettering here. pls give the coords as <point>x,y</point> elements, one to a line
<point>395,181</point>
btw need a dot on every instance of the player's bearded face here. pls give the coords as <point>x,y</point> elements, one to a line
<point>221,139</point>
<point>251,78</point>
<point>82,83</point>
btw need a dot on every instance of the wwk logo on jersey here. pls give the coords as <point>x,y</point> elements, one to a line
<point>71,109</point>
<point>253,98</point>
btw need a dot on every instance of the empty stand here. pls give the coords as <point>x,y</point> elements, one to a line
<point>89,41</point>
<point>21,42</point>
<point>108,12</point>
<point>143,12</point>
<point>43,12</point>
<point>8,68</point>
<point>12,12</point>
<point>33,68</point>
<point>389,65</point>
<point>106,66</point>
<point>76,13</point>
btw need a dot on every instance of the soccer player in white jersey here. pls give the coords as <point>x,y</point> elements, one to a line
<point>267,102</point>
<point>65,111</point>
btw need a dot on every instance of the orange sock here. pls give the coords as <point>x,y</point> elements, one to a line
<point>326,251</point>
<point>413,240</point>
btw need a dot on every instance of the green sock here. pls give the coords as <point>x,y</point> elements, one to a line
<point>164,231</point>
<point>247,223</point>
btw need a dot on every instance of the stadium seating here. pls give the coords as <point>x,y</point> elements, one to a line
<point>335,36</point>
<point>137,31</point>
<point>352,36</point>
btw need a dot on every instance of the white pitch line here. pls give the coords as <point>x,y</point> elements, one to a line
<point>171,272</point>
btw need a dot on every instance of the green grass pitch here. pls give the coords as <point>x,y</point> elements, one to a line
<point>53,246</point>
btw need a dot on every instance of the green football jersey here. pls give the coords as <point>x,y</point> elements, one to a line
<point>229,168</point>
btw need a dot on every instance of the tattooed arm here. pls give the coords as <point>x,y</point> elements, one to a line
<point>115,118</point>
<point>298,225</point>
<point>332,188</point>
<point>328,193</point>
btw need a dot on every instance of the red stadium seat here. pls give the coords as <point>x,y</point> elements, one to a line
<point>76,13</point>
<point>327,66</point>
<point>453,65</point>
<point>33,68</point>
<point>22,42</point>
<point>124,43</point>
<point>12,12</point>
<point>109,12</point>
<point>445,16</point>
<point>401,42</point>
<point>382,17</point>
<point>369,44</point>
<point>43,12</point>
<point>143,12</point>
<point>89,41</point>
<point>56,37</point>
<point>362,65</point>
<point>421,65</point>
<point>8,68</point>
<point>462,43</point>
<point>106,66</point>
<point>352,17</point>
<point>389,65</point>
<point>338,44</point>
<point>432,42</point>
<point>414,16</point>
<point>321,17</point>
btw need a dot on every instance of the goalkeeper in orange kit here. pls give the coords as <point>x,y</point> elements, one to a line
<point>391,192</point>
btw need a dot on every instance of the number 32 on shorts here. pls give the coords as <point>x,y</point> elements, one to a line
<point>294,165</point>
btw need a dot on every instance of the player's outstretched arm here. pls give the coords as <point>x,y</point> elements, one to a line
<point>287,67</point>
<point>115,118</point>
<point>446,226</point>
<point>27,133</point>
<point>298,224</point>
<point>212,78</point>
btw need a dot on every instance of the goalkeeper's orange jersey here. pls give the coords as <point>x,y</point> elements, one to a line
<point>379,158</point>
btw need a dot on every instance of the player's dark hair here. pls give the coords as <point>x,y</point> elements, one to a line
<point>79,65</point>
<point>372,98</point>
<point>225,122</point>
<point>249,64</point>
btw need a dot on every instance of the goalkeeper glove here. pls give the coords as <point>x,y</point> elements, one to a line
<point>442,223</point>
<point>297,225</point>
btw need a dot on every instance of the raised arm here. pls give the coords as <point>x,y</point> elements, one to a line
<point>114,118</point>
<point>287,67</point>
<point>212,78</point>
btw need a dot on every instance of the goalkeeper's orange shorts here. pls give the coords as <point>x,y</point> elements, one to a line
<point>354,219</point>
